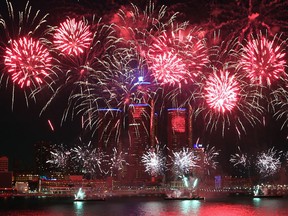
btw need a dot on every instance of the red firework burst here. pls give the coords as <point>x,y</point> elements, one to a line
<point>263,60</point>
<point>178,58</point>
<point>28,61</point>
<point>167,67</point>
<point>72,37</point>
<point>221,91</point>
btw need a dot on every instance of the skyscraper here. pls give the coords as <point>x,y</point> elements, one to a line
<point>177,129</point>
<point>177,132</point>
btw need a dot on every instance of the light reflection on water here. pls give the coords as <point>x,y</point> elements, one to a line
<point>145,207</point>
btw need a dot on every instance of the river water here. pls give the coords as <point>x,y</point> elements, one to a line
<point>144,206</point>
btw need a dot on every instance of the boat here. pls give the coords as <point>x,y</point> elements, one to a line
<point>81,196</point>
<point>184,198</point>
<point>268,196</point>
<point>182,195</point>
<point>262,191</point>
<point>90,199</point>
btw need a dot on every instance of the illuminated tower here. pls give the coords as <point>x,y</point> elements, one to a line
<point>139,140</point>
<point>177,129</point>
<point>199,152</point>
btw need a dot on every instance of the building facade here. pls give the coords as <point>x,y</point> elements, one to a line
<point>3,164</point>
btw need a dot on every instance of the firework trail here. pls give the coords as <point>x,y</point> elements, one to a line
<point>280,104</point>
<point>139,28</point>
<point>268,163</point>
<point>27,61</point>
<point>242,18</point>
<point>154,161</point>
<point>210,156</point>
<point>183,162</point>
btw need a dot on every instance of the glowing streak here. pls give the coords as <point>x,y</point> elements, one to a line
<point>50,124</point>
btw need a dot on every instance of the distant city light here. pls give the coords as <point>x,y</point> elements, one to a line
<point>140,79</point>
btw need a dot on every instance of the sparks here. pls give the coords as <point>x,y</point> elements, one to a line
<point>262,60</point>
<point>72,37</point>
<point>28,61</point>
<point>221,91</point>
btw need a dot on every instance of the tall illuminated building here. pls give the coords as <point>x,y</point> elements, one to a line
<point>139,140</point>
<point>177,136</point>
<point>177,129</point>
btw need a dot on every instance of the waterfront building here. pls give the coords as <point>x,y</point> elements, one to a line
<point>6,181</point>
<point>42,154</point>
<point>3,164</point>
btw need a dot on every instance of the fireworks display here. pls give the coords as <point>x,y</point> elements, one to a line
<point>138,65</point>
<point>178,57</point>
<point>183,162</point>
<point>28,61</point>
<point>117,161</point>
<point>222,91</point>
<point>59,157</point>
<point>268,163</point>
<point>240,159</point>
<point>72,37</point>
<point>154,161</point>
<point>25,59</point>
<point>89,157</point>
<point>263,60</point>
<point>168,68</point>
<point>246,17</point>
<point>210,156</point>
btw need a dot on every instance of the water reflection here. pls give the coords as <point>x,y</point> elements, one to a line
<point>146,207</point>
<point>190,206</point>
<point>79,208</point>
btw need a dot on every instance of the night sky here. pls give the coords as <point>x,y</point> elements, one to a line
<point>22,127</point>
